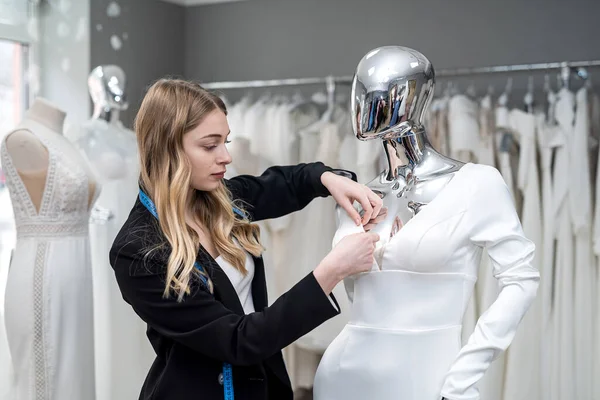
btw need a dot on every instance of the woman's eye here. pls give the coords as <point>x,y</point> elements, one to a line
<point>227,141</point>
<point>210,147</point>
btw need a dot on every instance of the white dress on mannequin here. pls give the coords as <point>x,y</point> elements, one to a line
<point>123,355</point>
<point>403,338</point>
<point>49,304</point>
<point>7,243</point>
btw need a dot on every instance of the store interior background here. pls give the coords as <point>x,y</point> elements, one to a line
<point>271,39</point>
<point>231,40</point>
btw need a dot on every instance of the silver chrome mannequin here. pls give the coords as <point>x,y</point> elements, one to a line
<point>391,90</point>
<point>107,89</point>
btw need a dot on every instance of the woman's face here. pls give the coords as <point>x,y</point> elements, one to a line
<point>205,148</point>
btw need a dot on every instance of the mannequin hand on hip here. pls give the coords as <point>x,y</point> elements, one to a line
<point>352,255</point>
<point>345,191</point>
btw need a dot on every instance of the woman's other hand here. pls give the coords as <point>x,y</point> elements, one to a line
<point>352,255</point>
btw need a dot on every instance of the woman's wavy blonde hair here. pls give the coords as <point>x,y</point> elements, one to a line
<point>170,109</point>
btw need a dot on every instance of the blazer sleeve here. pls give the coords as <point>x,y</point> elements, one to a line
<point>494,225</point>
<point>281,190</point>
<point>204,324</point>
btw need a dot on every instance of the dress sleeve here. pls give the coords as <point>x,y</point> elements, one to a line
<point>495,226</point>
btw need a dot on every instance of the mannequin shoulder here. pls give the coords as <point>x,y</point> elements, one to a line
<point>26,150</point>
<point>23,138</point>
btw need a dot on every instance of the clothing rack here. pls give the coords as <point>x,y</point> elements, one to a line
<point>566,65</point>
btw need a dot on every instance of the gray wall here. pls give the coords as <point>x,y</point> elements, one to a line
<point>152,35</point>
<point>62,63</point>
<point>263,39</point>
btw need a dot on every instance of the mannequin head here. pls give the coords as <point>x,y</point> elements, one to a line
<point>106,84</point>
<point>181,131</point>
<point>391,91</point>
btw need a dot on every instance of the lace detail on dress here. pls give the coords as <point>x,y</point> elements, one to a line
<point>65,199</point>
<point>53,230</point>
<point>39,348</point>
<point>19,197</point>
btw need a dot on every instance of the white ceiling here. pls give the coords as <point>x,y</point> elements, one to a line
<point>190,3</point>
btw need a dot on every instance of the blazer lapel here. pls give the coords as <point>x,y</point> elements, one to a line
<point>259,285</point>
<point>223,289</point>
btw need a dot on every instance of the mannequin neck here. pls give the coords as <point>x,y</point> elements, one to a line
<point>47,114</point>
<point>412,148</point>
<point>110,115</point>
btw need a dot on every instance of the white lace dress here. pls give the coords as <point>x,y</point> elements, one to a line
<point>48,305</point>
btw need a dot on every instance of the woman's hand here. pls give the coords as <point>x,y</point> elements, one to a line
<point>345,191</point>
<point>352,255</point>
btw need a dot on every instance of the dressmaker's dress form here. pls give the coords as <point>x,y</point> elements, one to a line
<point>123,355</point>
<point>49,302</point>
<point>403,339</point>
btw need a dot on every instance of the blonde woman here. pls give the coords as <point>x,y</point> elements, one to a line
<point>188,259</point>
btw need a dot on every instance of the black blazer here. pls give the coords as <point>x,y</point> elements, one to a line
<point>193,338</point>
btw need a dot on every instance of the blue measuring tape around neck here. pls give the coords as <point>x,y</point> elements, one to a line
<point>227,374</point>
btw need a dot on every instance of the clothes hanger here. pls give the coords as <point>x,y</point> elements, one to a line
<point>327,116</point>
<point>528,99</point>
<point>454,89</point>
<point>503,99</point>
<point>471,91</point>
<point>564,76</point>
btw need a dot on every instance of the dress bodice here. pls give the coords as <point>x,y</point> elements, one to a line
<point>65,205</point>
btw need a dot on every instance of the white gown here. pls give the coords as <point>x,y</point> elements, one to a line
<point>523,357</point>
<point>403,338</point>
<point>7,243</point>
<point>580,197</point>
<point>563,375</point>
<point>550,136</point>
<point>49,303</point>
<point>123,353</point>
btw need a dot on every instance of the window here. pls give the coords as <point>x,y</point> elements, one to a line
<point>13,87</point>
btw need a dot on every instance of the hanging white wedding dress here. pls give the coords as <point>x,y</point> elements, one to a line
<point>123,354</point>
<point>486,289</point>
<point>550,136</point>
<point>403,338</point>
<point>563,375</point>
<point>49,304</point>
<point>595,122</point>
<point>523,357</point>
<point>580,197</point>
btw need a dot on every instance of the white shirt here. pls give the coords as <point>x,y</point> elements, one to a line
<point>241,283</point>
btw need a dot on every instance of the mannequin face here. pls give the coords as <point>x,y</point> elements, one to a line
<point>106,84</point>
<point>205,147</point>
